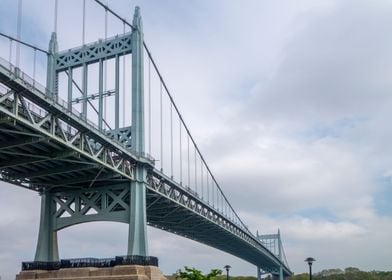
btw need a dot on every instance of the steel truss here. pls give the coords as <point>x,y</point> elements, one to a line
<point>92,53</point>
<point>26,108</point>
<point>88,205</point>
<point>34,110</point>
<point>86,173</point>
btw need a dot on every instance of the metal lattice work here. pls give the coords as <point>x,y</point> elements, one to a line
<point>28,107</point>
<point>91,53</point>
<point>98,204</point>
<point>88,171</point>
<point>274,244</point>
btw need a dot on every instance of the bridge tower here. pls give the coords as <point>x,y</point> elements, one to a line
<point>137,241</point>
<point>98,171</point>
<point>130,195</point>
<point>274,243</point>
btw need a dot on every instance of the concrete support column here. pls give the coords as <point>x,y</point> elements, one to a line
<point>47,248</point>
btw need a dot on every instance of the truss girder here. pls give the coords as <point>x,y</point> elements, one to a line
<point>185,213</point>
<point>22,141</point>
<point>91,53</point>
<point>202,223</point>
<point>53,171</point>
<point>88,205</point>
<point>38,100</point>
<point>35,159</point>
<point>59,129</point>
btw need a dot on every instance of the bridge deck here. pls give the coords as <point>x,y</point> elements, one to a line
<point>43,145</point>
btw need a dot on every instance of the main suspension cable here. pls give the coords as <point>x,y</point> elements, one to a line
<point>106,7</point>
<point>23,43</point>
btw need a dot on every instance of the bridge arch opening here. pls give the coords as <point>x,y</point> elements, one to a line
<point>93,239</point>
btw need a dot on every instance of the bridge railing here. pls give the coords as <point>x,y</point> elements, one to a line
<point>91,262</point>
<point>192,172</point>
<point>32,84</point>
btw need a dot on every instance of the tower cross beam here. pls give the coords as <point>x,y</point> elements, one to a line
<point>92,53</point>
<point>105,173</point>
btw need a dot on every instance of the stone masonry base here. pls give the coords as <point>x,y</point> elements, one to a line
<point>120,272</point>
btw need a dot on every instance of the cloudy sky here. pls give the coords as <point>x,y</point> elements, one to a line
<point>290,103</point>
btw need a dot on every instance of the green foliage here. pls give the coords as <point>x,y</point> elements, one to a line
<point>350,273</point>
<point>191,273</point>
<point>223,277</point>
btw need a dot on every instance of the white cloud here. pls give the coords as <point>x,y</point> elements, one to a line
<point>290,105</point>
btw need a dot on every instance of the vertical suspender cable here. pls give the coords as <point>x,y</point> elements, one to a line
<point>195,169</point>
<point>149,106</point>
<point>70,89</point>
<point>208,189</point>
<point>123,90</point>
<point>105,68</point>
<point>274,246</point>
<point>117,94</point>
<point>171,139</point>
<point>10,56</point>
<point>180,151</point>
<point>201,179</point>
<point>18,31</point>
<point>217,199</point>
<point>221,201</point>
<point>160,96</point>
<point>84,89</point>
<point>34,65</point>
<point>213,193</point>
<point>223,205</point>
<point>100,95</point>
<point>84,23</point>
<point>55,15</point>
<point>189,169</point>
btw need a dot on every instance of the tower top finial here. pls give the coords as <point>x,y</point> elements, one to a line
<point>53,47</point>
<point>137,19</point>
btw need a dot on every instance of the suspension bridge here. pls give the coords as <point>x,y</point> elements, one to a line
<point>100,142</point>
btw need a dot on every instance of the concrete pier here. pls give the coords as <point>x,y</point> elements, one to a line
<point>120,272</point>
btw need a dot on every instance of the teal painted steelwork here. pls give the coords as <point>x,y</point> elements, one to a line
<point>119,182</point>
<point>92,53</point>
<point>47,247</point>
<point>51,75</point>
<point>106,203</point>
<point>170,206</point>
<point>137,239</point>
<point>134,212</point>
<point>280,256</point>
<point>100,95</point>
<point>274,243</point>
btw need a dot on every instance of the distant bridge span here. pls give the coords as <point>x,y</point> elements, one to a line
<point>88,172</point>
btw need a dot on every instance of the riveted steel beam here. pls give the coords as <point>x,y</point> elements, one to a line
<point>54,171</point>
<point>92,53</point>
<point>21,142</point>
<point>79,180</point>
<point>31,160</point>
